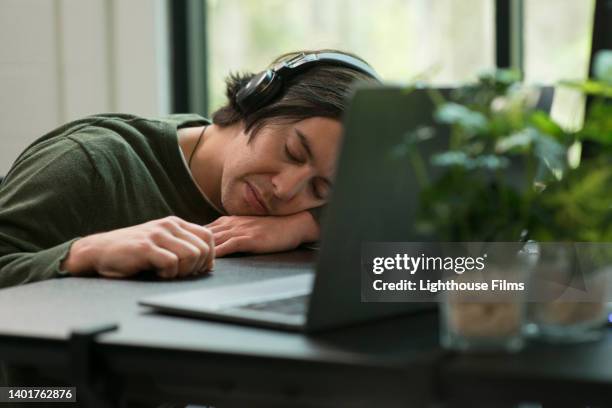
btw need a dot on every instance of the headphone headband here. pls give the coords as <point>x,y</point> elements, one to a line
<point>303,61</point>
<point>263,87</point>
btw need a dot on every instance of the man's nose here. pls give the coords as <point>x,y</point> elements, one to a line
<point>291,182</point>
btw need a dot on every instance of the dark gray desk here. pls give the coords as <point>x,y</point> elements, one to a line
<point>578,375</point>
<point>168,358</point>
<point>165,358</point>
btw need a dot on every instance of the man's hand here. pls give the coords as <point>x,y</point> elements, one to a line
<point>259,234</point>
<point>172,246</point>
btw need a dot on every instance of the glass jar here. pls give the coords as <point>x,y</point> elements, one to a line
<point>486,320</point>
<point>569,293</point>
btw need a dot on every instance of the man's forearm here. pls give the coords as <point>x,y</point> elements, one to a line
<point>79,259</point>
<point>263,234</point>
<point>306,222</point>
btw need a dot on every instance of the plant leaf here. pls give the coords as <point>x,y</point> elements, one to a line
<point>521,140</point>
<point>455,114</point>
<point>552,153</point>
<point>544,123</point>
<point>590,87</point>
<point>461,159</point>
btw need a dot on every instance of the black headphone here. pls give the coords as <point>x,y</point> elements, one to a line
<point>263,87</point>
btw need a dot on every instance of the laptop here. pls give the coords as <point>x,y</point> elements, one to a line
<point>374,199</point>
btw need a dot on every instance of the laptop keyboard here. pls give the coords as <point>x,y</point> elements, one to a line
<point>295,305</point>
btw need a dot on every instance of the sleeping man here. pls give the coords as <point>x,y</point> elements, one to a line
<point>117,194</point>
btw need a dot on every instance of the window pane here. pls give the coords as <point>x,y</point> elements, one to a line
<point>447,40</point>
<point>558,46</point>
<point>557,39</point>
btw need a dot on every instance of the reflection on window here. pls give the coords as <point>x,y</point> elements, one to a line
<point>445,40</point>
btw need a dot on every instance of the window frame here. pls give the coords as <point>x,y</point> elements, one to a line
<point>189,62</point>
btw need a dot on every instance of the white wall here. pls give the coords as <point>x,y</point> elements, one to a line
<point>64,59</point>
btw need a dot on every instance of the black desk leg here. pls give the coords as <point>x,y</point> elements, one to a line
<point>92,384</point>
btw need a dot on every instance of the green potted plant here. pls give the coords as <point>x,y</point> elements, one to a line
<point>500,153</point>
<point>571,281</point>
<point>511,174</point>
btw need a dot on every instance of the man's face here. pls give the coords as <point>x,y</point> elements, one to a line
<point>284,169</point>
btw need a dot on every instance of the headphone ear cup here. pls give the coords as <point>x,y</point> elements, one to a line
<point>270,92</point>
<point>258,91</point>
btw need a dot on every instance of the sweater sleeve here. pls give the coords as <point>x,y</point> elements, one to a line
<point>45,202</point>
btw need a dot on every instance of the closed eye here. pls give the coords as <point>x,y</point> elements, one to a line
<point>315,191</point>
<point>291,156</point>
<point>320,189</point>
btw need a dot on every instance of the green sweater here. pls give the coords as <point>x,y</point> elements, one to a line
<point>96,174</point>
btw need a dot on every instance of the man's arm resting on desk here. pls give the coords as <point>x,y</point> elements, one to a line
<point>261,234</point>
<point>39,215</point>
<point>173,247</point>
<point>177,248</point>
<point>51,195</point>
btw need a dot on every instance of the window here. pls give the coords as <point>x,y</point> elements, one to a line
<point>557,39</point>
<point>557,45</point>
<point>444,40</point>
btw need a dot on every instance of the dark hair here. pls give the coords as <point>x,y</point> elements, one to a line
<point>322,90</point>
